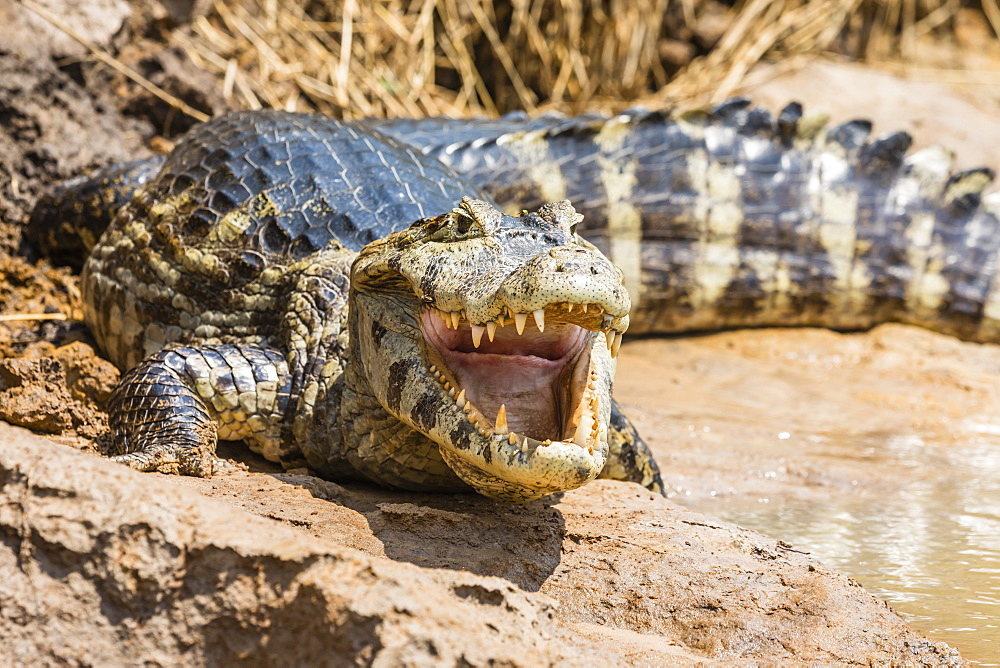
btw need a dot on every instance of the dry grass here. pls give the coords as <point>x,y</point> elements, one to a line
<point>353,58</point>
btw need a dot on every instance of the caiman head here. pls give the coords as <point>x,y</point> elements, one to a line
<point>494,336</point>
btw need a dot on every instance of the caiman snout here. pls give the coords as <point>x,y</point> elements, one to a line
<point>567,274</point>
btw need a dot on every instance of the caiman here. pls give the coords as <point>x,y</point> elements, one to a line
<point>375,299</point>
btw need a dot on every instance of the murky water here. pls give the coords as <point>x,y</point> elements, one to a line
<point>931,548</point>
<point>878,453</point>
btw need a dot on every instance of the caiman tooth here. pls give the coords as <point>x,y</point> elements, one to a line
<point>456,319</point>
<point>434,369</point>
<point>512,438</point>
<point>491,329</point>
<point>585,306</point>
<point>616,344</point>
<point>583,431</point>
<point>477,335</point>
<point>451,392</point>
<point>520,319</point>
<point>609,337</point>
<point>569,307</point>
<point>539,319</point>
<point>477,419</point>
<point>501,425</point>
<point>460,399</point>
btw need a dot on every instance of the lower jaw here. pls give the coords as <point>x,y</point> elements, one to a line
<point>504,489</point>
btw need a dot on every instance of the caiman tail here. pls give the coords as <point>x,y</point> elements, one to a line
<point>735,218</point>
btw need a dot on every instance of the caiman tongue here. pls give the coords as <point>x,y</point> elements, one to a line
<point>519,378</point>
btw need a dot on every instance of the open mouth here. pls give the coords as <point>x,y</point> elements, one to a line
<point>520,377</point>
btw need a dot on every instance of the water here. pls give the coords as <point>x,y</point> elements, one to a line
<point>878,453</point>
<point>931,547</point>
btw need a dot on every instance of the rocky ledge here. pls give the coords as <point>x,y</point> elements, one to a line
<point>102,565</point>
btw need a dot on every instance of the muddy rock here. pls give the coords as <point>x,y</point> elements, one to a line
<point>49,132</point>
<point>33,393</point>
<point>103,566</point>
<point>57,393</point>
<point>89,377</point>
<point>108,565</point>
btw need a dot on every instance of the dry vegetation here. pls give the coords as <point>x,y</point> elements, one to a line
<point>355,58</point>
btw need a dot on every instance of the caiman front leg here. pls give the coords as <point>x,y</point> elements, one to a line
<point>629,458</point>
<point>167,413</point>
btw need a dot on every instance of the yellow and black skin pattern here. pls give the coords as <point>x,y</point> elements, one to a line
<point>735,217</point>
<point>418,303</point>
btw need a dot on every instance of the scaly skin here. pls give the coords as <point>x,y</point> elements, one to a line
<point>734,217</point>
<point>469,349</point>
<point>511,426</point>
